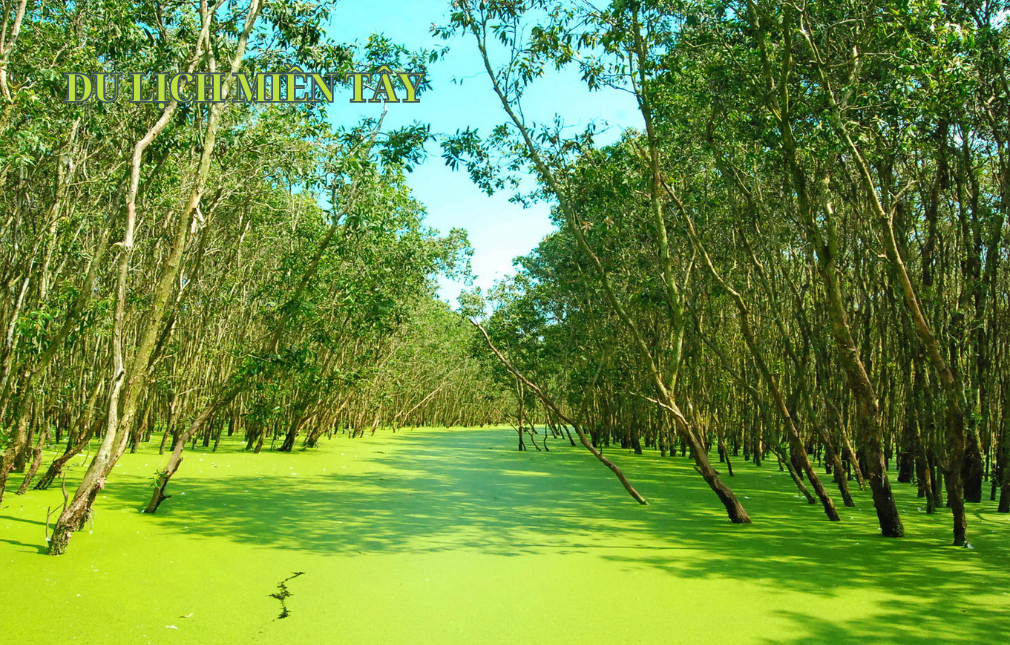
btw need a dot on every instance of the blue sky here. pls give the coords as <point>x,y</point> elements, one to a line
<point>498,230</point>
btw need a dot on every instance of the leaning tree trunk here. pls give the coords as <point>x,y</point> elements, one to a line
<point>114,442</point>
<point>797,448</point>
<point>36,460</point>
<point>10,455</point>
<point>222,400</point>
<point>548,403</point>
<point>837,469</point>
<point>950,382</point>
<point>574,223</point>
<point>87,428</point>
<point>785,461</point>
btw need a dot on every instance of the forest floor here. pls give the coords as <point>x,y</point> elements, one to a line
<point>452,536</point>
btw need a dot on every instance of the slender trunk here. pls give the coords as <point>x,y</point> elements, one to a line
<point>722,448</point>
<point>132,381</point>
<point>7,42</point>
<point>950,381</point>
<point>221,401</point>
<point>36,460</point>
<point>786,464</point>
<point>797,448</point>
<point>837,469</point>
<point>925,475</point>
<point>548,403</point>
<point>9,458</point>
<point>60,462</point>
<point>815,211</point>
<point>733,506</point>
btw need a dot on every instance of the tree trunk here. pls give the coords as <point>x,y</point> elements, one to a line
<point>36,460</point>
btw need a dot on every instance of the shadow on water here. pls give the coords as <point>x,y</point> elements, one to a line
<point>442,490</point>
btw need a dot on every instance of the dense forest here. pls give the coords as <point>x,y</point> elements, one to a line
<point>172,273</point>
<point>800,258</point>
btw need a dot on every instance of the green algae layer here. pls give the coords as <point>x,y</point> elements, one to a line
<point>436,536</point>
